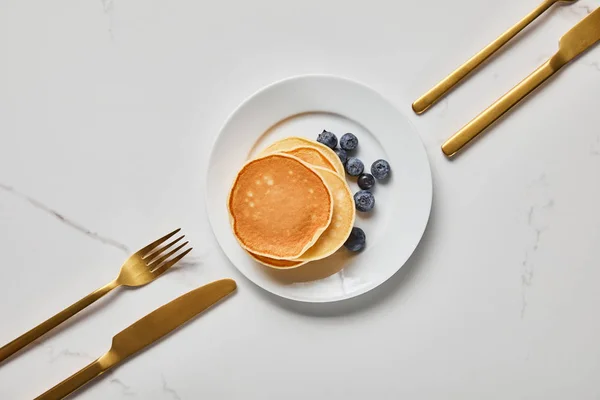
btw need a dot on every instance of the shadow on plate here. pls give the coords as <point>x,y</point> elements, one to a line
<point>357,304</point>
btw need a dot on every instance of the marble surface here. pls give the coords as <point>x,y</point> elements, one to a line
<point>107,109</point>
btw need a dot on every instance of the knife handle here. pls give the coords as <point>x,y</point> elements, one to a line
<point>433,95</point>
<point>52,322</point>
<point>500,107</point>
<point>77,380</point>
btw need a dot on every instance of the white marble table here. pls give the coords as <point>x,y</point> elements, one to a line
<point>106,112</point>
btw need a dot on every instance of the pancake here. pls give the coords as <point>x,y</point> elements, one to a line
<point>311,271</point>
<point>279,206</point>
<point>291,143</point>
<point>279,264</point>
<point>336,233</point>
<point>311,156</point>
<point>342,221</point>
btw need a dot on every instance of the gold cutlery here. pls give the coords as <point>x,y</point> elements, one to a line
<point>145,332</point>
<point>433,95</point>
<point>580,38</point>
<point>141,268</point>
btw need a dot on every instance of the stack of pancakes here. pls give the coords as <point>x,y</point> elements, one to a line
<point>291,205</point>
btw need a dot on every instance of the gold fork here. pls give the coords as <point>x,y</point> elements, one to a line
<point>141,268</point>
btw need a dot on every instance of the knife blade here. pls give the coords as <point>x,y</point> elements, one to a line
<point>580,38</point>
<point>168,317</point>
<point>144,332</point>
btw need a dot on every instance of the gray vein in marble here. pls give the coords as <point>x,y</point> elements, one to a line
<point>187,267</point>
<point>169,390</point>
<point>66,353</point>
<point>125,389</point>
<point>109,9</point>
<point>595,65</point>
<point>190,262</point>
<point>527,264</point>
<point>578,10</point>
<point>65,220</point>
<point>183,268</point>
<point>526,279</point>
<point>537,227</point>
<point>584,8</point>
<point>540,181</point>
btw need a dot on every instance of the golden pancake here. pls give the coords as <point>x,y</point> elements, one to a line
<point>279,206</point>
<point>291,143</point>
<point>311,271</point>
<point>342,220</point>
<point>311,156</point>
<point>336,233</point>
<point>279,264</point>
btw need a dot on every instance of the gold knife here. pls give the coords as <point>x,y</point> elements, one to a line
<point>580,38</point>
<point>145,332</point>
<point>423,103</point>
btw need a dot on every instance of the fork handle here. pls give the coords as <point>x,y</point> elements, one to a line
<point>51,323</point>
<point>500,107</point>
<point>434,94</point>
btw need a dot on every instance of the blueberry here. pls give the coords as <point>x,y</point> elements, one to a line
<point>328,139</point>
<point>354,166</point>
<point>380,169</point>
<point>357,240</point>
<point>366,181</point>
<point>348,142</point>
<point>364,200</point>
<point>342,155</point>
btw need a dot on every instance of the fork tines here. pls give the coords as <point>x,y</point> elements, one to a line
<point>157,257</point>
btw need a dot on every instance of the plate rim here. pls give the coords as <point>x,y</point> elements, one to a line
<point>293,78</point>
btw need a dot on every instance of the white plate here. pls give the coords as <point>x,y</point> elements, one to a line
<point>304,106</point>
